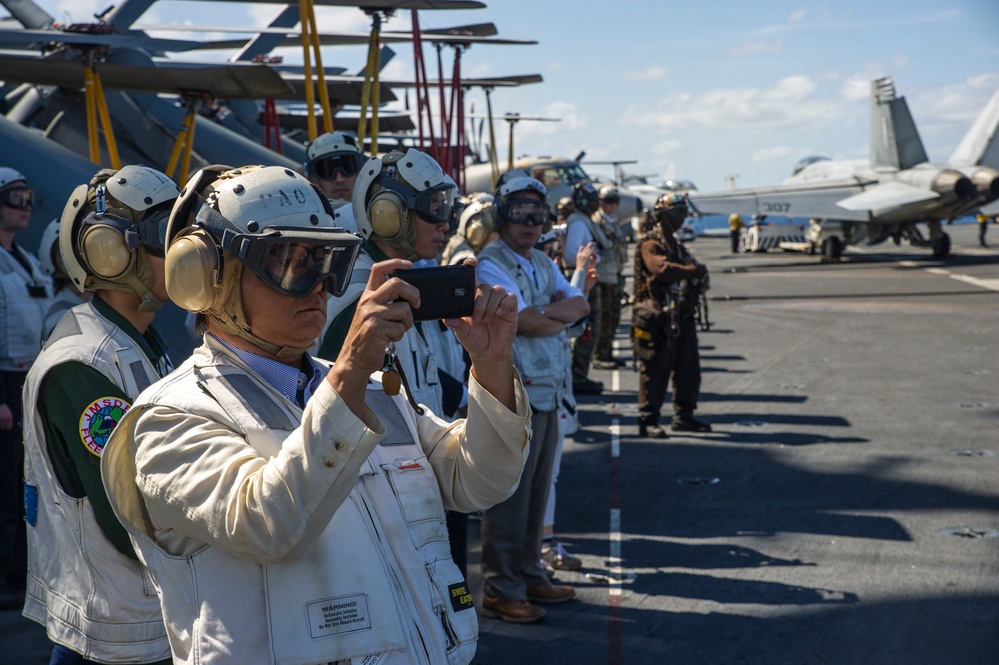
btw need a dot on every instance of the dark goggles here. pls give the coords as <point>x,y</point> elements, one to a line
<point>525,211</point>
<point>434,205</point>
<point>611,200</point>
<point>326,168</point>
<point>293,261</point>
<point>150,232</point>
<point>18,198</point>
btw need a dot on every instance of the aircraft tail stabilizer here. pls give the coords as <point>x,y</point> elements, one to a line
<point>980,146</point>
<point>894,139</point>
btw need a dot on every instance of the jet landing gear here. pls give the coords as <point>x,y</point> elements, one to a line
<point>832,248</point>
<point>941,246</point>
<point>939,241</point>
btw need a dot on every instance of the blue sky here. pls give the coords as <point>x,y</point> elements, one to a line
<point>717,88</point>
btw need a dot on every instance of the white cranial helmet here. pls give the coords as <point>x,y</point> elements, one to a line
<point>9,175</point>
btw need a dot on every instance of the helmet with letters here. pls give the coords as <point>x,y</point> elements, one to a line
<point>110,227</point>
<point>265,219</point>
<point>395,192</point>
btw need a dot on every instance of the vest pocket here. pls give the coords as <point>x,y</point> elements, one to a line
<point>452,603</point>
<point>416,490</point>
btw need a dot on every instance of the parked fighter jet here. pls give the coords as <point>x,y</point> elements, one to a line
<point>856,202</point>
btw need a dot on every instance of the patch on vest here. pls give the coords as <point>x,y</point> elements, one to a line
<point>461,599</point>
<point>99,420</point>
<point>336,616</point>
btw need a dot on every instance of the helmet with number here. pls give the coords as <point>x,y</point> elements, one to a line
<point>610,194</point>
<point>332,153</point>
<point>110,227</point>
<point>514,208</point>
<point>585,196</point>
<point>670,211</point>
<point>393,191</point>
<point>265,219</point>
<point>565,207</point>
<point>478,220</point>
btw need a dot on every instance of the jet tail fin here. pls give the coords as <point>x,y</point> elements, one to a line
<point>895,141</point>
<point>980,146</point>
<point>385,54</point>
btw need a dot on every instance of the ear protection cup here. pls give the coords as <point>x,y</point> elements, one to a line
<point>476,235</point>
<point>193,271</point>
<point>387,214</point>
<point>103,251</point>
<point>478,230</point>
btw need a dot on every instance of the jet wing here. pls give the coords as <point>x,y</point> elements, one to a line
<point>818,200</point>
<point>231,81</point>
<point>18,39</point>
<point>345,89</point>
<point>885,196</point>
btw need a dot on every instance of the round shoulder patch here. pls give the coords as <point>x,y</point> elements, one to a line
<point>99,420</point>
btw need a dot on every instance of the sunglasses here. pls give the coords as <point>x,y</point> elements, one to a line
<point>326,168</point>
<point>18,198</point>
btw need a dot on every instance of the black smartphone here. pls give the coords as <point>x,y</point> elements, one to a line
<point>446,292</point>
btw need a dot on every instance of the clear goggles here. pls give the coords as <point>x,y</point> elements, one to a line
<point>18,198</point>
<point>293,260</point>
<point>326,168</point>
<point>150,231</point>
<point>524,211</point>
<point>434,205</point>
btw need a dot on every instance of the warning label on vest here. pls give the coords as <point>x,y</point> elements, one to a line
<point>337,616</point>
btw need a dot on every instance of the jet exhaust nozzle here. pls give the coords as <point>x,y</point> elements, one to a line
<point>953,183</point>
<point>986,181</point>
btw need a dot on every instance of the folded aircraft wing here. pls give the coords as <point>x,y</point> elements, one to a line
<point>230,81</point>
<point>885,196</point>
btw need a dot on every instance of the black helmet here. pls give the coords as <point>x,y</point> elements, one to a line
<point>584,194</point>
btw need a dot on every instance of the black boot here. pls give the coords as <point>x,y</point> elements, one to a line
<point>688,424</point>
<point>651,431</point>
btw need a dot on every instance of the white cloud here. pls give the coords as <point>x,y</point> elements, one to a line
<point>790,104</point>
<point>666,147</point>
<point>650,73</point>
<point>754,47</point>
<point>796,16</point>
<point>773,154</point>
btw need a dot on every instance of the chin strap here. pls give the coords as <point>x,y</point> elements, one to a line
<point>138,281</point>
<point>231,318</point>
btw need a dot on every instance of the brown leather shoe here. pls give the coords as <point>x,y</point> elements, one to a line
<point>550,593</point>
<point>512,611</point>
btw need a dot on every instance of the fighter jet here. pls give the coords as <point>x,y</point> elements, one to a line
<point>857,202</point>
